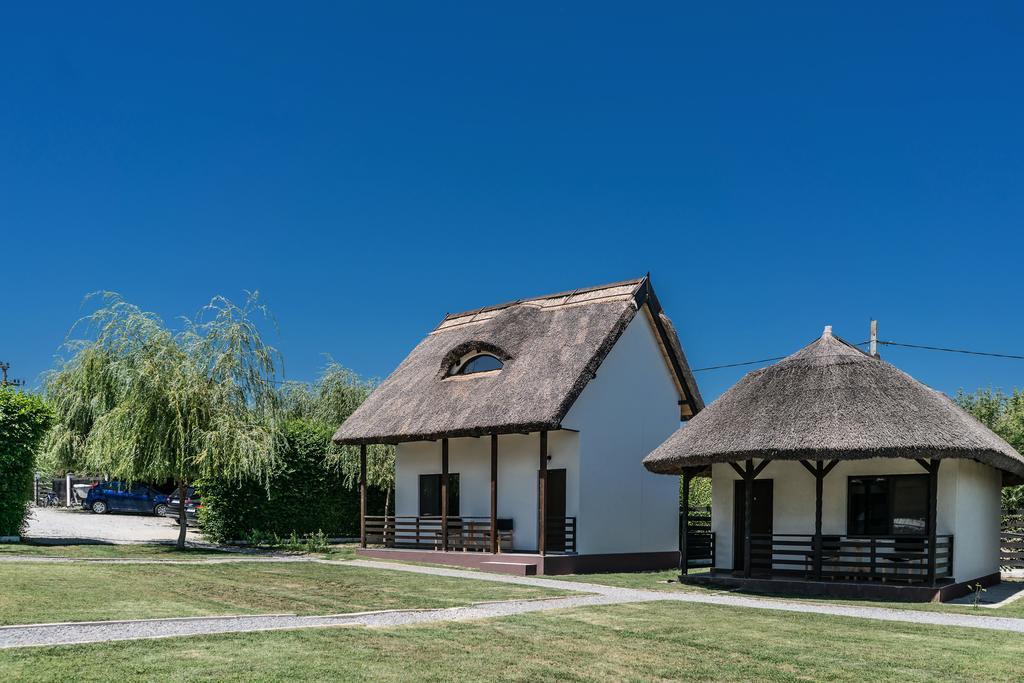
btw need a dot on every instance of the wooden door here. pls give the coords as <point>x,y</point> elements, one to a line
<point>761,519</point>
<point>555,509</point>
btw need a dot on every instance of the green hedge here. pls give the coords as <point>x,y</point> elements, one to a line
<point>24,420</point>
<point>305,496</point>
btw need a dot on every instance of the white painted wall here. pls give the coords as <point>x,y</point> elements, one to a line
<point>518,462</point>
<point>626,412</point>
<point>977,514</point>
<point>967,506</point>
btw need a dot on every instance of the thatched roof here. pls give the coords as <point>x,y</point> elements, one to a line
<point>551,347</point>
<point>831,400</point>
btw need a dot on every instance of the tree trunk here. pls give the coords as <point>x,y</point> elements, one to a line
<point>182,518</point>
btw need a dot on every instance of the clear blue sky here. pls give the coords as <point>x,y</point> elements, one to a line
<point>776,167</point>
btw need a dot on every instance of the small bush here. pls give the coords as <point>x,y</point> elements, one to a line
<point>24,419</point>
<point>306,498</point>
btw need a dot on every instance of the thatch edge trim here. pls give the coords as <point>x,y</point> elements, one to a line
<point>677,465</point>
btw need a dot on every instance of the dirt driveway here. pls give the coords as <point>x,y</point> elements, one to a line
<point>77,524</point>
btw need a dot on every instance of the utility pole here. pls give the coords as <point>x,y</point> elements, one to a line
<point>874,339</point>
<point>4,382</point>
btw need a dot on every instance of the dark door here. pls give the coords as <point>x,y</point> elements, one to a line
<point>555,510</point>
<point>761,519</point>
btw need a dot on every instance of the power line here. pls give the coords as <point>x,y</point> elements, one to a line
<point>939,348</point>
<point>736,365</point>
<point>864,343</point>
<point>751,362</point>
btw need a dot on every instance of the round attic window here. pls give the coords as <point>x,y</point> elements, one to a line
<point>482,362</point>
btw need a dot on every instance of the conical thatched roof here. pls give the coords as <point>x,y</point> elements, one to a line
<point>551,347</point>
<point>831,400</point>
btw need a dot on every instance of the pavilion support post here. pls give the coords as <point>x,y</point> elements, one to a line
<point>494,493</point>
<point>819,485</point>
<point>684,522</point>
<point>444,494</point>
<point>819,471</point>
<point>933,491</point>
<point>362,496</point>
<point>542,489</point>
<point>748,514</point>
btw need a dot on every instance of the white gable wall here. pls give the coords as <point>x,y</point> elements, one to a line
<point>623,414</point>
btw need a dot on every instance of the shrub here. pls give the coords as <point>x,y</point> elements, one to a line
<point>24,419</point>
<point>306,498</point>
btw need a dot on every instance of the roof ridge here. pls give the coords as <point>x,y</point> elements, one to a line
<point>637,282</point>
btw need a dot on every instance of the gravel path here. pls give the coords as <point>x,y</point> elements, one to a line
<point>76,523</point>
<point>70,633</point>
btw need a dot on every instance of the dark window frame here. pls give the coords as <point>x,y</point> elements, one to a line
<point>467,367</point>
<point>889,504</point>
<point>453,495</point>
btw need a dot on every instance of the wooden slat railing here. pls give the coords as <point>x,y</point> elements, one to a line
<point>874,558</point>
<point>561,534</point>
<point>424,532</point>
<point>700,549</point>
<point>1011,549</point>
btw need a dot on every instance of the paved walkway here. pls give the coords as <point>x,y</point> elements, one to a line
<point>595,594</point>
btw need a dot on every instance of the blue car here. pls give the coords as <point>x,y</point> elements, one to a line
<point>117,496</point>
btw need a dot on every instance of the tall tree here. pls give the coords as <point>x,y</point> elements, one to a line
<point>1004,414</point>
<point>143,402</point>
<point>24,419</point>
<point>328,402</point>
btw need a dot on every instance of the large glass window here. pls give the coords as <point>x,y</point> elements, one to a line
<point>888,505</point>
<point>430,494</point>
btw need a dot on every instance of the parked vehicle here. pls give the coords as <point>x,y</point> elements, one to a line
<point>116,496</point>
<point>192,505</point>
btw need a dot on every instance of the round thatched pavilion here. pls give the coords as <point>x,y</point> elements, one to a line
<point>835,472</point>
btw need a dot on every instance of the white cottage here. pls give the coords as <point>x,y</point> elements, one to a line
<point>520,431</point>
<point>835,473</point>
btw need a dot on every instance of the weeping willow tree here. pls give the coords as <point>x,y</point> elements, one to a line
<point>143,402</point>
<point>328,402</point>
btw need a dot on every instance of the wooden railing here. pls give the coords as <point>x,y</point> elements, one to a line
<point>1011,549</point>
<point>875,558</point>
<point>700,549</point>
<point>464,533</point>
<point>700,540</point>
<point>560,534</point>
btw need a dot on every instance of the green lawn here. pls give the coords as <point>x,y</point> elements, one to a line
<point>107,551</point>
<point>158,551</point>
<point>34,592</point>
<point>653,641</point>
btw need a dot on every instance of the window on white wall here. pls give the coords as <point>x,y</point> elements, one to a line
<point>888,505</point>
<point>430,495</point>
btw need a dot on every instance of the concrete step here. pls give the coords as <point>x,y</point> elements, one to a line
<point>516,568</point>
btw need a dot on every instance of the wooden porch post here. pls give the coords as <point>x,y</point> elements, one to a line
<point>933,491</point>
<point>819,485</point>
<point>542,488</point>
<point>362,496</point>
<point>684,564</point>
<point>819,471</point>
<point>444,494</point>
<point>494,493</point>
<point>748,514</point>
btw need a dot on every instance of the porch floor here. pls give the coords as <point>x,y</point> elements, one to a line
<point>864,590</point>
